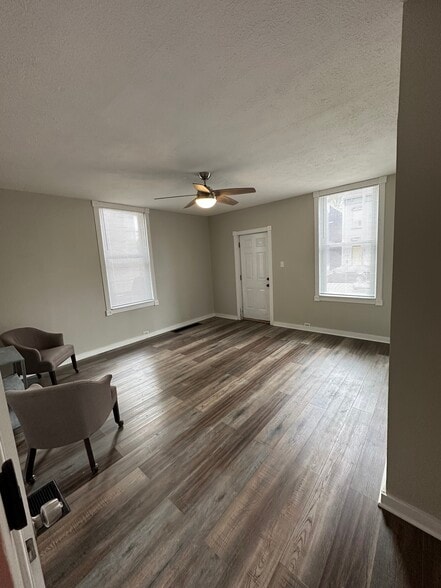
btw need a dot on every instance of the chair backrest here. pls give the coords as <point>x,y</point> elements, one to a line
<point>24,336</point>
<point>62,414</point>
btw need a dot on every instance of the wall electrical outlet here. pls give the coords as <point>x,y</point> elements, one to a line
<point>146,332</point>
<point>306,324</point>
<point>282,264</point>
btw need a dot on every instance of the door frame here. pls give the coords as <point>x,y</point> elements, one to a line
<point>237,269</point>
<point>25,574</point>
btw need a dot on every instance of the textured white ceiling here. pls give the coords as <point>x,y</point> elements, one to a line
<point>123,100</point>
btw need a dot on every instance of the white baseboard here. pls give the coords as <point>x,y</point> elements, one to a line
<point>231,317</point>
<point>350,334</point>
<point>132,340</point>
<point>416,517</point>
<point>126,342</point>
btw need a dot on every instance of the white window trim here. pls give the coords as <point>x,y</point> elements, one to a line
<point>146,212</point>
<point>378,300</point>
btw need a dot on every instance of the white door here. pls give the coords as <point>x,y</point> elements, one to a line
<point>255,276</point>
<point>19,555</point>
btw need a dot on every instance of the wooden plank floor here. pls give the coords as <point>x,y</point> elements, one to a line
<point>251,456</point>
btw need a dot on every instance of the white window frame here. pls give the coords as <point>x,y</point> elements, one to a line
<point>145,211</point>
<point>378,299</point>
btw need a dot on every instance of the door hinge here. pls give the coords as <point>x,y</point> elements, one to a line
<point>238,244</point>
<point>240,277</point>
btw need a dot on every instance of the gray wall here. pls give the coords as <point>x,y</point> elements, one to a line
<point>51,277</point>
<point>292,223</point>
<point>414,436</point>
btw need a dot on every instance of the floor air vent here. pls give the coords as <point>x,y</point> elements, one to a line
<point>47,492</point>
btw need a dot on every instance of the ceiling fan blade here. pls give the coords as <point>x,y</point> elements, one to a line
<point>202,188</point>
<point>233,191</point>
<point>226,200</point>
<point>183,196</point>
<point>191,203</point>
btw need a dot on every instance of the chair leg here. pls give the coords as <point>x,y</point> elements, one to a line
<point>74,363</point>
<point>53,376</point>
<point>29,468</point>
<point>116,416</point>
<point>92,462</point>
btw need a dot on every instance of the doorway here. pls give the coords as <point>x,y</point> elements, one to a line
<point>254,280</point>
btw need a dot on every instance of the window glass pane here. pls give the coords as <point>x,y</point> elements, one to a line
<point>348,232</point>
<point>126,256</point>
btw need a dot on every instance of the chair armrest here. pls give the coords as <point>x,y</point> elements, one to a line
<point>31,356</point>
<point>49,340</point>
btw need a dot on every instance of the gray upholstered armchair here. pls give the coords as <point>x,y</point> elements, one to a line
<point>59,415</point>
<point>42,352</point>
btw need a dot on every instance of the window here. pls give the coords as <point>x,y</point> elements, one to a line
<point>349,242</point>
<point>125,252</point>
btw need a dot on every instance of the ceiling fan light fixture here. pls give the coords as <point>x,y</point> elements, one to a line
<point>207,198</point>
<point>206,201</point>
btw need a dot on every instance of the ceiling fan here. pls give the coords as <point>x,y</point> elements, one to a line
<point>206,197</point>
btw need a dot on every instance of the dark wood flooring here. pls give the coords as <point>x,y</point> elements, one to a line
<point>251,456</point>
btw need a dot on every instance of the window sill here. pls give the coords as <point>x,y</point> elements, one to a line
<point>351,299</point>
<point>111,311</point>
